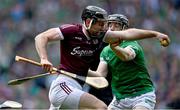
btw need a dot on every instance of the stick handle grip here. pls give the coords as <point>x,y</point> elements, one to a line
<point>18,58</point>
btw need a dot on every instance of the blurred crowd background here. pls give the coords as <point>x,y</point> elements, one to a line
<point>22,20</point>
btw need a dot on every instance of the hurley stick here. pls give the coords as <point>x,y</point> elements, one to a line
<point>22,80</point>
<point>97,82</point>
<point>10,105</point>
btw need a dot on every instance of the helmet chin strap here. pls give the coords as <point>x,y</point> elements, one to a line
<point>90,24</point>
<point>88,28</point>
<point>123,27</point>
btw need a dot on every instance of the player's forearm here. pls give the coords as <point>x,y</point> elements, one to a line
<point>129,34</point>
<point>137,34</point>
<point>121,53</point>
<point>41,44</point>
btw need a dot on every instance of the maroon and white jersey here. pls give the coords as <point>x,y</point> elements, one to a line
<point>78,53</point>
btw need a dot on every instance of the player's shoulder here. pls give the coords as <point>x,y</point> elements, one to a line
<point>71,26</point>
<point>106,48</point>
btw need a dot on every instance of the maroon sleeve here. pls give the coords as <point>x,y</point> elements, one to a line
<point>68,30</point>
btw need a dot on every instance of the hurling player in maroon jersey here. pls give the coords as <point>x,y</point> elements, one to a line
<point>80,47</point>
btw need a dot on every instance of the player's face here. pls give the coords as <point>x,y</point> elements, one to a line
<point>114,26</point>
<point>97,28</point>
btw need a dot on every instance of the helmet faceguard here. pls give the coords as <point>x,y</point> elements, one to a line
<point>119,18</point>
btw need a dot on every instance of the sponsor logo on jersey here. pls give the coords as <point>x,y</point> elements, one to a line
<point>79,38</point>
<point>80,52</point>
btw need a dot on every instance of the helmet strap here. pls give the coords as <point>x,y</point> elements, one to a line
<point>90,24</point>
<point>123,27</point>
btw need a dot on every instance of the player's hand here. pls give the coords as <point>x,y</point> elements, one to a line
<point>164,39</point>
<point>114,44</point>
<point>46,65</point>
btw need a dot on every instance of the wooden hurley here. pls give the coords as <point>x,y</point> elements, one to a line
<point>97,82</point>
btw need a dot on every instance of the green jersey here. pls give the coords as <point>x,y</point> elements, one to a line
<point>129,78</point>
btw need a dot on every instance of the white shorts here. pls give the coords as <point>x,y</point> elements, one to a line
<point>147,100</point>
<point>65,93</point>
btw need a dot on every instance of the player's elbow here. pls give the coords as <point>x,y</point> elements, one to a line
<point>37,38</point>
<point>40,37</point>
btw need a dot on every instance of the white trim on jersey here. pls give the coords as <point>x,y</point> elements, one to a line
<point>102,60</point>
<point>60,33</point>
<point>132,53</point>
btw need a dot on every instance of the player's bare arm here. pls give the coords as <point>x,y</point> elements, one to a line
<point>101,71</point>
<point>134,34</point>
<point>41,42</point>
<point>92,73</point>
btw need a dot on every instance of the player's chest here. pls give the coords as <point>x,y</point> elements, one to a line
<point>82,46</point>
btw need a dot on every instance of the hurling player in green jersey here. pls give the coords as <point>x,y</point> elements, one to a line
<point>131,84</point>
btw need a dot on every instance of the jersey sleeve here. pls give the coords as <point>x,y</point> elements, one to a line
<point>67,30</point>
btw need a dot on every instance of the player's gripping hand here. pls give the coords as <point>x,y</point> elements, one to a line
<point>46,65</point>
<point>164,39</point>
<point>112,45</point>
